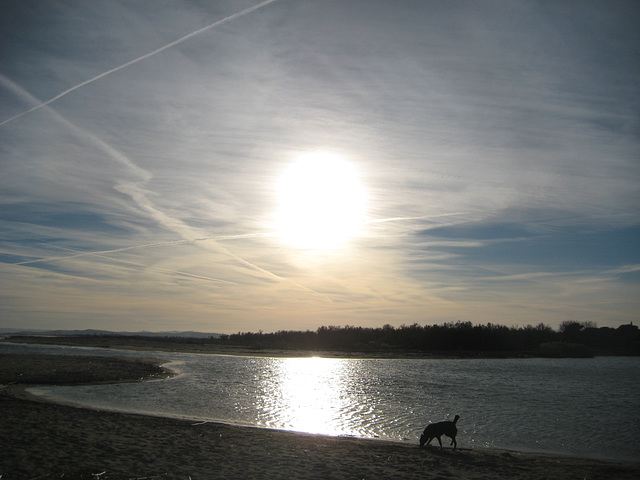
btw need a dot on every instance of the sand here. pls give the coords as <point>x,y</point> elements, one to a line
<point>40,440</point>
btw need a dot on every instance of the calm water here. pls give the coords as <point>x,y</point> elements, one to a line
<point>581,407</point>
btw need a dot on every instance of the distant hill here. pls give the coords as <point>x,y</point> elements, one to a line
<point>172,333</point>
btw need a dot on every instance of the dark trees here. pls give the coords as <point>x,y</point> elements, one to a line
<point>450,338</point>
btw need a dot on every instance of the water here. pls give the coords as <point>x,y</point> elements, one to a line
<point>581,407</point>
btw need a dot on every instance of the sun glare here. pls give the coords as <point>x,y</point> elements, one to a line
<point>321,202</point>
<point>309,393</point>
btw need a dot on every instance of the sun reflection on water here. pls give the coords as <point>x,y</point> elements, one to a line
<point>307,395</point>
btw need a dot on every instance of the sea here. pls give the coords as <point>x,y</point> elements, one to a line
<point>587,408</point>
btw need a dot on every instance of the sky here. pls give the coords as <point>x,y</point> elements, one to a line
<point>488,163</point>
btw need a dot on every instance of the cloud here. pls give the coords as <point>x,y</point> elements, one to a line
<point>497,144</point>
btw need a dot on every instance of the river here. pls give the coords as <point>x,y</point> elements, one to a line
<point>580,407</point>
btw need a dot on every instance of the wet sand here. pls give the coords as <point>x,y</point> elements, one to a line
<point>42,440</point>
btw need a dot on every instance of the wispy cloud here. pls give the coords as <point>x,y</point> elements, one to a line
<point>497,145</point>
<point>137,191</point>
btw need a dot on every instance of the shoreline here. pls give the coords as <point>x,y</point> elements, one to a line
<point>21,392</point>
<point>46,440</point>
<point>154,344</point>
<point>85,443</point>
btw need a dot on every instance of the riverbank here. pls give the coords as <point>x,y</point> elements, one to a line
<point>186,345</point>
<point>46,441</point>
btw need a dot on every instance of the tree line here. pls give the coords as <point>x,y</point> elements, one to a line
<point>571,339</point>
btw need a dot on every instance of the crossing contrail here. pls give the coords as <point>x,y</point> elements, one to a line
<point>135,264</point>
<point>135,190</point>
<point>139,59</point>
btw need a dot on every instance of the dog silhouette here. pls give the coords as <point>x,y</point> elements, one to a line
<point>436,430</point>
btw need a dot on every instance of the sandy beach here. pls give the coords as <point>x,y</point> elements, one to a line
<point>43,440</point>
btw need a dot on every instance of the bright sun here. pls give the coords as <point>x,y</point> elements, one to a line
<point>321,202</point>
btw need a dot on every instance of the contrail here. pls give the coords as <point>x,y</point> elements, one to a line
<point>162,270</point>
<point>80,132</point>
<point>139,59</point>
<point>102,254</point>
<point>135,190</point>
<point>99,252</point>
<point>421,217</point>
<point>133,247</point>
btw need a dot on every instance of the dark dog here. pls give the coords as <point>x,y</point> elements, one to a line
<point>436,430</point>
